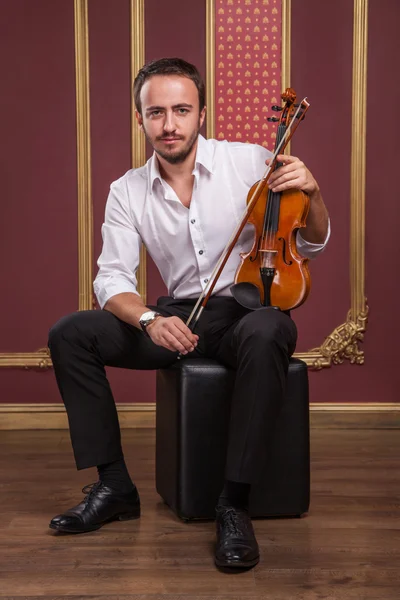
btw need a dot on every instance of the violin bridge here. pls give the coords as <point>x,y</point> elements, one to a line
<point>268,258</point>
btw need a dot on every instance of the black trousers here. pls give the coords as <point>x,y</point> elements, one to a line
<point>257,344</point>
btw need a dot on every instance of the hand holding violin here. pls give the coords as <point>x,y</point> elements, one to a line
<point>293,174</point>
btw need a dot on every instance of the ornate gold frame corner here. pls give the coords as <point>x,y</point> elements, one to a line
<point>138,140</point>
<point>343,343</point>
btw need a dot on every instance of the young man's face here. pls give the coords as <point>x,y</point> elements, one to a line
<point>170,115</point>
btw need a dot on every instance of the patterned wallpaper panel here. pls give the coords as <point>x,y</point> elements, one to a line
<point>248,36</point>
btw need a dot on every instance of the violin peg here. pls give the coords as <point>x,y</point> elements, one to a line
<point>276,107</point>
<point>272,119</point>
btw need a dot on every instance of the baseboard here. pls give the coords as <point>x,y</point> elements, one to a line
<point>327,416</point>
<point>367,415</point>
<point>53,416</point>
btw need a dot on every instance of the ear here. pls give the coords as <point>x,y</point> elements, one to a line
<point>139,119</point>
<point>203,115</point>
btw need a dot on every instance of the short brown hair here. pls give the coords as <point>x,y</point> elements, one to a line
<point>168,66</point>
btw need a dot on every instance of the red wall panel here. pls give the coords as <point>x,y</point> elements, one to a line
<point>323,142</point>
<point>38,224</point>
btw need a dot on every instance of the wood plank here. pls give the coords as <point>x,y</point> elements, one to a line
<point>348,547</point>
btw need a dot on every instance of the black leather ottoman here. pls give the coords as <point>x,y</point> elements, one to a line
<point>193,398</point>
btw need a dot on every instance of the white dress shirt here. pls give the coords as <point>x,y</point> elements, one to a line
<point>185,243</point>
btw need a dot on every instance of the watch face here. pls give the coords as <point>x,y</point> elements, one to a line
<point>147,317</point>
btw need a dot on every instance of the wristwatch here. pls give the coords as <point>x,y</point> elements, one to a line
<point>148,317</point>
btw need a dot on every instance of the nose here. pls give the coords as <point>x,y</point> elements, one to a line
<point>169,123</point>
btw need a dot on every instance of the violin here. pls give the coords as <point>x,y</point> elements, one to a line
<point>272,274</point>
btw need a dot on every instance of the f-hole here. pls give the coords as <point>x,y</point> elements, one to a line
<point>252,259</point>
<point>281,239</point>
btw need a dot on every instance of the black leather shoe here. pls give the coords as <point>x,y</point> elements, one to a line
<point>236,543</point>
<point>100,505</point>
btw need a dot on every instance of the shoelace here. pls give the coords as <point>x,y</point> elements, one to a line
<point>232,522</point>
<point>90,489</point>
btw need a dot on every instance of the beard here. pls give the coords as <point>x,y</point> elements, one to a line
<point>178,156</point>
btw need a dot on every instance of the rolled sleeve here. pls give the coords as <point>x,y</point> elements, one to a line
<point>308,249</point>
<point>119,259</point>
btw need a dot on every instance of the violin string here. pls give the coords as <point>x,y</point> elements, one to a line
<point>272,201</point>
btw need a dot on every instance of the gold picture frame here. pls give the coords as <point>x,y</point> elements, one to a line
<point>343,342</point>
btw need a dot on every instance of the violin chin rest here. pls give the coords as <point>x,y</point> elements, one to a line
<point>247,295</point>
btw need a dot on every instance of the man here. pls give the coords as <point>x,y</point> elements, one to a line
<point>183,204</point>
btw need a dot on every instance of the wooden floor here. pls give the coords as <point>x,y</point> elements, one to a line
<point>348,546</point>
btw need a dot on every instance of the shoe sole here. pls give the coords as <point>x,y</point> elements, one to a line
<point>124,517</point>
<point>232,564</point>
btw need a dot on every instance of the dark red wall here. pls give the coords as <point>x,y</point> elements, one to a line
<point>323,142</point>
<point>39,225</point>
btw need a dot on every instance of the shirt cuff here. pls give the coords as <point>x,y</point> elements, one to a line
<point>309,249</point>
<point>110,287</point>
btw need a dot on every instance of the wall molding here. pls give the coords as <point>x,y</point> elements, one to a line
<point>85,205</point>
<point>137,137</point>
<point>142,415</point>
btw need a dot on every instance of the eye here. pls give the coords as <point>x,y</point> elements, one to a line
<point>183,111</point>
<point>155,113</point>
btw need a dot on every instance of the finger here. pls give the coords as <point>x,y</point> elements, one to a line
<point>181,337</point>
<point>192,337</point>
<point>168,346</point>
<point>293,184</point>
<point>284,178</point>
<point>292,168</point>
<point>170,340</point>
<point>287,158</point>
<point>160,341</point>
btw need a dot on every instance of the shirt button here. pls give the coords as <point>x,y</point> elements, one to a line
<point>193,221</point>
<point>201,251</point>
<point>206,281</point>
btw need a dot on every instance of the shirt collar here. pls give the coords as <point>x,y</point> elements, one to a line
<point>204,157</point>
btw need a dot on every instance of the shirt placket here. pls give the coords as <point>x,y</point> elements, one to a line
<point>196,234</point>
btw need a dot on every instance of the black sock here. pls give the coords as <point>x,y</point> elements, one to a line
<point>235,494</point>
<point>115,475</point>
